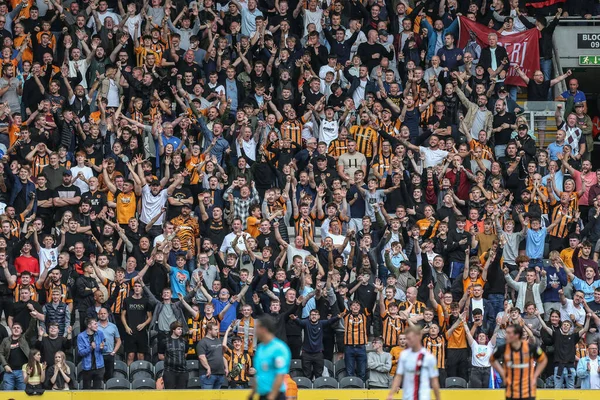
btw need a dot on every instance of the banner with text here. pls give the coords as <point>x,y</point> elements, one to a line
<point>523,48</point>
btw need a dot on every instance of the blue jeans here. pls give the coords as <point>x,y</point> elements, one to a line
<point>355,358</point>
<point>212,382</point>
<point>512,92</point>
<point>456,269</point>
<point>536,262</point>
<point>497,302</point>
<point>567,376</point>
<point>14,380</point>
<point>546,68</point>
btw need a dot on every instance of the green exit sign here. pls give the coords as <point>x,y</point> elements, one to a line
<point>589,60</point>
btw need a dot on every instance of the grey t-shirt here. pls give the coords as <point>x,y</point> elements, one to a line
<point>370,199</point>
<point>213,350</point>
<point>11,96</point>
<point>478,122</point>
<point>166,318</point>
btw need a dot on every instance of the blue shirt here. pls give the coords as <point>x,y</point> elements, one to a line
<point>553,150</point>
<point>535,243</point>
<point>229,315</point>
<point>586,288</point>
<point>578,97</point>
<point>179,281</point>
<point>271,359</point>
<point>110,334</point>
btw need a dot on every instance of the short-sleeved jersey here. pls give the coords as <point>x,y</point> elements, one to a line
<point>417,368</point>
<point>271,359</point>
<point>519,366</point>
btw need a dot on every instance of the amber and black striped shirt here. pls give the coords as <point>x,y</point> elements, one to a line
<point>355,330</point>
<point>565,216</point>
<point>392,327</point>
<point>338,147</point>
<point>365,137</point>
<point>124,289</point>
<point>65,295</point>
<point>437,347</point>
<point>519,367</point>
<point>242,359</point>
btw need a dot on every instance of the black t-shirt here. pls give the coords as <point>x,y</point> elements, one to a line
<point>216,230</point>
<point>65,192</point>
<point>537,91</point>
<point>16,357</point>
<point>157,278</point>
<point>263,240</point>
<point>564,347</point>
<point>97,200</point>
<point>136,311</point>
<point>20,313</point>
<point>503,136</point>
<point>44,195</point>
<point>182,193</point>
<point>72,238</point>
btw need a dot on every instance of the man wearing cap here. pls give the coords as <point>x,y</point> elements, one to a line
<point>67,196</point>
<point>525,143</point>
<point>504,123</point>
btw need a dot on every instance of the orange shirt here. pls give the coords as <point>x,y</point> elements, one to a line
<point>467,283</point>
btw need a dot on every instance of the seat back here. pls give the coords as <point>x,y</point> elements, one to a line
<point>325,382</point>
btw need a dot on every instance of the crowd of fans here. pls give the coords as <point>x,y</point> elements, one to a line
<point>171,171</point>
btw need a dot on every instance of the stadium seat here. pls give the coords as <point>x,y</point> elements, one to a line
<point>73,368</point>
<point>79,369</point>
<point>325,383</point>
<point>351,382</point>
<point>117,384</point>
<point>296,368</point>
<point>540,383</point>
<point>194,383</point>
<point>158,369</point>
<point>330,367</point>
<point>121,370</point>
<point>456,383</point>
<point>143,383</point>
<point>193,367</point>
<point>340,369</point>
<point>141,369</point>
<point>303,383</point>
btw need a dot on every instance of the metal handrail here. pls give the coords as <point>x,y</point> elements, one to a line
<point>561,86</point>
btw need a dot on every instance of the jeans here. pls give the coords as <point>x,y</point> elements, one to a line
<point>93,379</point>
<point>212,382</point>
<point>456,269</point>
<point>13,381</point>
<point>479,378</point>
<point>497,302</point>
<point>512,92</point>
<point>567,376</point>
<point>356,361</point>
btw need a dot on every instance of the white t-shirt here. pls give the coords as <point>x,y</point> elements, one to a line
<point>569,308</point>
<point>481,353</point>
<point>228,240</point>
<point>407,365</point>
<point>152,204</point>
<point>87,174</point>
<point>48,254</point>
<point>433,157</point>
<point>293,251</point>
<point>328,131</point>
<point>594,376</point>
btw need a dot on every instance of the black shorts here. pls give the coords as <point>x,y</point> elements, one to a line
<point>137,343</point>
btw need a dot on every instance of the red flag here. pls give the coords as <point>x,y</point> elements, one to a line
<point>523,48</point>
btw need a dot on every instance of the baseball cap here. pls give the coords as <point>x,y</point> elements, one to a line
<point>578,104</point>
<point>523,126</point>
<point>68,172</point>
<point>321,157</point>
<point>383,32</point>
